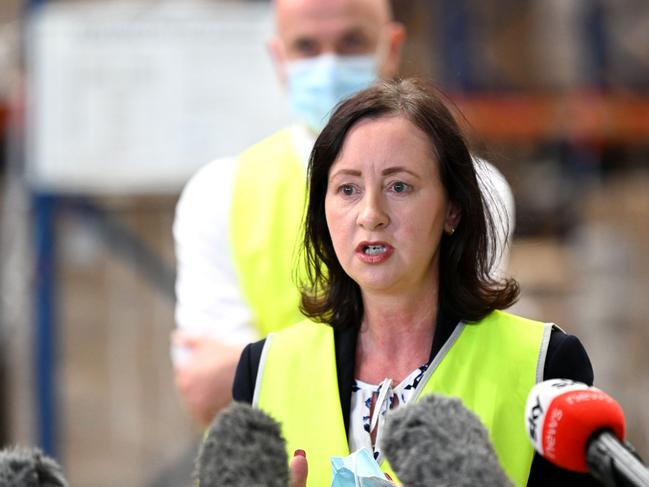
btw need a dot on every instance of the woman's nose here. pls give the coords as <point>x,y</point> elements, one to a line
<point>372,214</point>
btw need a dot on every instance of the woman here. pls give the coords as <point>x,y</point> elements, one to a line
<point>400,298</point>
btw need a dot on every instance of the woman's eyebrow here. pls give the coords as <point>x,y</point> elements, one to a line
<point>396,169</point>
<point>346,172</point>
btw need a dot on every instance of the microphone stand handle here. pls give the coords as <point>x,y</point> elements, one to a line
<point>613,464</point>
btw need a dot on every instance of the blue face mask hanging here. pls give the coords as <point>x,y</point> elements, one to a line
<point>316,85</point>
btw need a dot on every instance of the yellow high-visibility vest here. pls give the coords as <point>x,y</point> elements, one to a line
<point>490,365</point>
<point>266,230</point>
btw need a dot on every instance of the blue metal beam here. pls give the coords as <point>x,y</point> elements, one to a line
<point>44,216</point>
<point>35,3</point>
<point>457,47</point>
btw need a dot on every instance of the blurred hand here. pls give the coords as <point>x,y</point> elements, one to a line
<point>299,469</point>
<point>204,378</point>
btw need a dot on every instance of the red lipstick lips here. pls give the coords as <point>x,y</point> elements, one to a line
<point>374,252</point>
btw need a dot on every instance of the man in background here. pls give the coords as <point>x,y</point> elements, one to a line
<point>238,220</point>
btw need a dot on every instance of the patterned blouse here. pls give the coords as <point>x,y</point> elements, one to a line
<point>369,405</point>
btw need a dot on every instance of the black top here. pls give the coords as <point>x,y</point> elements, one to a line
<point>566,359</point>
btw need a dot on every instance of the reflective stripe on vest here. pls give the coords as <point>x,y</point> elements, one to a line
<point>265,229</point>
<point>491,365</point>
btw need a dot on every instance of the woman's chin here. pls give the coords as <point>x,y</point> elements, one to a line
<point>381,285</point>
<point>394,284</point>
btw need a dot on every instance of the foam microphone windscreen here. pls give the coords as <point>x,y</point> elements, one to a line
<point>243,447</point>
<point>29,467</point>
<point>437,441</point>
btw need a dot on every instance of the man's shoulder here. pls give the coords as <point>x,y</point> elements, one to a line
<point>278,145</point>
<point>269,165</point>
<point>207,174</point>
<point>211,189</point>
<point>201,186</point>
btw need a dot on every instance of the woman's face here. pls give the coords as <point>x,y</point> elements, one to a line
<point>386,208</point>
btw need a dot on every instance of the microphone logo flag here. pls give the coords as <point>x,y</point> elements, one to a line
<point>537,406</point>
<point>533,418</point>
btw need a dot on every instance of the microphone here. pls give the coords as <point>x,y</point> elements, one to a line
<point>438,441</point>
<point>581,428</point>
<point>243,447</point>
<point>29,467</point>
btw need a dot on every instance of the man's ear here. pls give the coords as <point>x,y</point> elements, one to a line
<point>396,34</point>
<point>453,217</point>
<point>277,55</point>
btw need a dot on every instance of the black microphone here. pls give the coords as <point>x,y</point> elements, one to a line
<point>437,441</point>
<point>581,428</point>
<point>29,467</point>
<point>243,447</point>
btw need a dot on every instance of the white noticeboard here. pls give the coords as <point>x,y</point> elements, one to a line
<point>133,97</point>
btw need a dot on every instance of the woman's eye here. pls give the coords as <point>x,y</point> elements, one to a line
<point>400,187</point>
<point>346,189</point>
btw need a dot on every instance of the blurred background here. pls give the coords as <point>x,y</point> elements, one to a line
<point>107,108</point>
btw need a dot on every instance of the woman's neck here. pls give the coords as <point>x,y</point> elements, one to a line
<point>396,335</point>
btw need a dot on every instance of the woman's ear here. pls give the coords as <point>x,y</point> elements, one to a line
<point>453,217</point>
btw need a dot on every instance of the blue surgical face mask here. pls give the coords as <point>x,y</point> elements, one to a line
<point>316,85</point>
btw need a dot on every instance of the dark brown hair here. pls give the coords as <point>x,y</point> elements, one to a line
<point>467,290</point>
